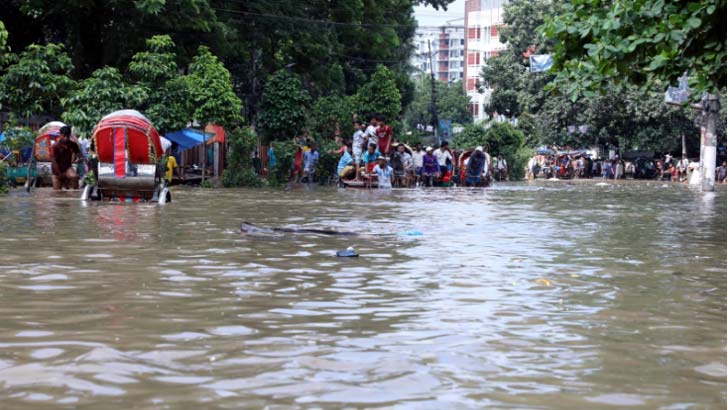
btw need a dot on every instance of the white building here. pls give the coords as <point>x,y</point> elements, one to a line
<point>483,20</point>
<point>447,44</point>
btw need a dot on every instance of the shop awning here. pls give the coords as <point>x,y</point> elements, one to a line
<point>187,138</point>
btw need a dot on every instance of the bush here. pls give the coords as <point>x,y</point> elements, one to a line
<point>3,177</point>
<point>239,171</point>
<point>329,111</point>
<point>328,162</point>
<point>281,173</point>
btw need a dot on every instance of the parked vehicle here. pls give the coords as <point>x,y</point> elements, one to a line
<point>128,165</point>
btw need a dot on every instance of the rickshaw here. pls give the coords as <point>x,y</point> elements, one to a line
<point>16,155</point>
<point>39,172</point>
<point>128,165</point>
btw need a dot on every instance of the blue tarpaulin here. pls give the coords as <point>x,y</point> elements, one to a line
<point>187,138</point>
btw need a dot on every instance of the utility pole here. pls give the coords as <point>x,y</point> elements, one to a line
<point>433,102</point>
<point>710,107</point>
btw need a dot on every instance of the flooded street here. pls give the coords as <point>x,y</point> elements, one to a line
<point>530,296</point>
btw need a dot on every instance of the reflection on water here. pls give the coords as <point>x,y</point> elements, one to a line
<point>566,295</point>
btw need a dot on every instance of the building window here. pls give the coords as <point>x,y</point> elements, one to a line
<point>473,58</point>
<point>474,110</point>
<point>474,33</point>
<point>471,84</point>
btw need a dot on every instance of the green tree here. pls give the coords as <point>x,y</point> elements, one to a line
<point>37,82</point>
<point>645,42</point>
<point>3,44</point>
<point>331,114</point>
<point>168,103</point>
<point>452,104</point>
<point>102,93</point>
<point>521,19</point>
<point>498,138</point>
<point>284,107</point>
<point>239,170</point>
<point>213,97</point>
<point>380,95</point>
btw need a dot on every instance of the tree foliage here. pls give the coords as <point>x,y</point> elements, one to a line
<point>37,81</point>
<point>622,115</point>
<point>380,95</point>
<point>239,170</point>
<point>284,107</point>
<point>451,100</point>
<point>213,97</point>
<point>332,114</point>
<point>168,102</point>
<point>521,19</point>
<point>3,43</point>
<point>497,139</point>
<point>644,42</point>
<point>102,93</point>
<point>332,46</point>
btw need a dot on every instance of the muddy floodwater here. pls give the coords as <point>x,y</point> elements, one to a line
<point>543,295</point>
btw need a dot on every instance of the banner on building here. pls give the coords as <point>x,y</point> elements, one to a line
<point>541,62</point>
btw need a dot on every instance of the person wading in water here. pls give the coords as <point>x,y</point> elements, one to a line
<point>64,175</point>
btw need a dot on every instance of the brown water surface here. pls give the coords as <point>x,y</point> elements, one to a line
<point>529,296</point>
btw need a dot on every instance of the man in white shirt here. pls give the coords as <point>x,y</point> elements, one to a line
<point>357,146</point>
<point>417,162</point>
<point>443,154</point>
<point>371,132</point>
<point>501,168</point>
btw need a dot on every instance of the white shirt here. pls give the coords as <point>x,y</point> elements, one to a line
<point>442,157</point>
<point>385,176</point>
<point>357,141</point>
<point>417,158</point>
<point>502,164</point>
<point>371,134</point>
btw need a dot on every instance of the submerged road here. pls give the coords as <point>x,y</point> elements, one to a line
<point>528,296</point>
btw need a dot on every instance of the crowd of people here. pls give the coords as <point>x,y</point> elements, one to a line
<point>581,165</point>
<point>373,156</point>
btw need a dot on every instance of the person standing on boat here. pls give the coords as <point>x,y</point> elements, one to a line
<point>384,135</point>
<point>357,146</point>
<point>62,154</point>
<point>371,132</point>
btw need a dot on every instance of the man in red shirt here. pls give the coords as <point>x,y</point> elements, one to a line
<point>384,135</point>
